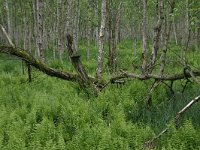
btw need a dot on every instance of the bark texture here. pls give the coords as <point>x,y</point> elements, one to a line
<point>101,40</point>
<point>40,31</point>
<point>166,40</point>
<point>25,55</point>
<point>156,38</point>
<point>144,36</point>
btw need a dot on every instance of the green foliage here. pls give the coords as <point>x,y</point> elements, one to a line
<point>186,138</point>
<point>56,65</point>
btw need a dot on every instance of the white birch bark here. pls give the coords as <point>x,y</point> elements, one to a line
<point>144,36</point>
<point>96,28</point>
<point>174,29</point>
<point>39,37</point>
<point>76,26</point>
<point>59,30</point>
<point>89,29</point>
<point>101,40</point>
<point>156,38</point>
<point>8,17</point>
<point>134,38</point>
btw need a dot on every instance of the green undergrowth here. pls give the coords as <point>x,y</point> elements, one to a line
<point>50,113</point>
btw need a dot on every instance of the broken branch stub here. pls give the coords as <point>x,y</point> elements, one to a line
<point>85,81</point>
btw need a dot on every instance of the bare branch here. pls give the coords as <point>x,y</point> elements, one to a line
<point>178,76</point>
<point>187,107</point>
<point>7,36</point>
<point>151,143</point>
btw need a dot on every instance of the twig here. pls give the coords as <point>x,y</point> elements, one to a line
<point>151,143</point>
<point>188,81</point>
<point>149,96</point>
<point>169,86</point>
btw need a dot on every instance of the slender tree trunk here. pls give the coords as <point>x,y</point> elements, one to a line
<point>110,28</point>
<point>144,36</point>
<point>197,40</point>
<point>59,30</point>
<point>187,31</point>
<point>117,25</point>
<point>115,30</point>
<point>35,27</point>
<point>187,22</point>
<point>89,32</point>
<point>166,40</point>
<point>39,37</point>
<point>157,32</point>
<point>134,38</point>
<point>68,17</point>
<point>8,18</point>
<point>76,26</point>
<point>101,40</point>
<point>30,33</point>
<point>25,32</point>
<point>175,35</point>
<point>96,28</point>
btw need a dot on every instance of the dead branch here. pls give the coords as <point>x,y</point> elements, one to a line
<point>184,87</point>
<point>149,96</point>
<point>178,76</point>
<point>169,86</point>
<point>84,81</point>
<point>7,36</point>
<point>151,143</point>
<point>187,107</point>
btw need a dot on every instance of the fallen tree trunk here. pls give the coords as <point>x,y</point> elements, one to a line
<point>85,81</point>
<point>25,55</point>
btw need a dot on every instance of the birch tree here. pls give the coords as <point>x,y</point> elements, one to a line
<point>8,17</point>
<point>39,26</point>
<point>89,32</point>
<point>157,33</point>
<point>101,40</point>
<point>144,36</point>
<point>76,25</point>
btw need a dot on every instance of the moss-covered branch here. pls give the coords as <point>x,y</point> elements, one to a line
<point>25,55</point>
